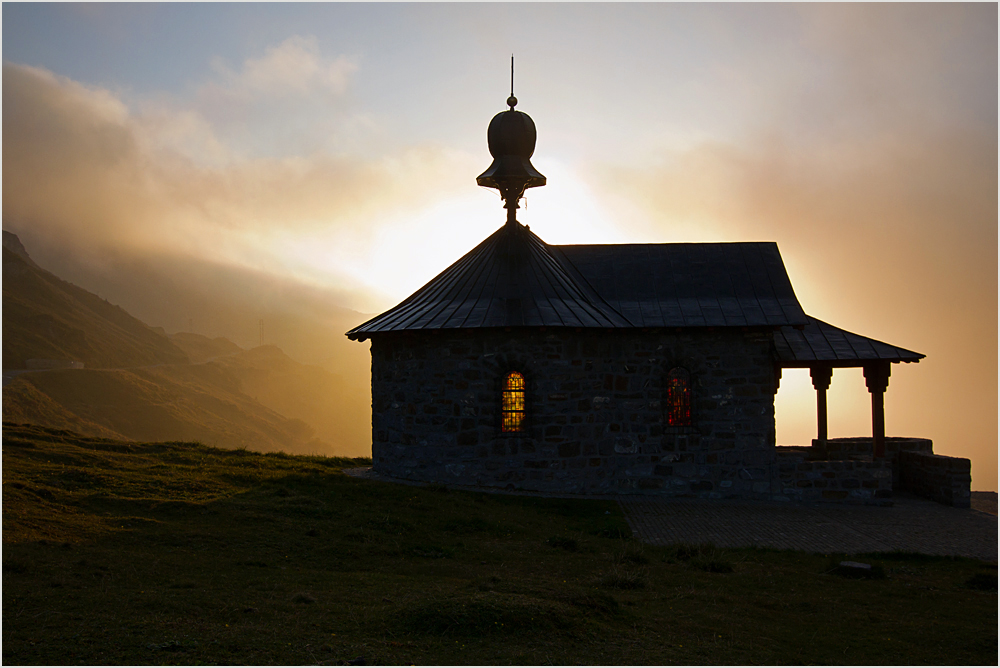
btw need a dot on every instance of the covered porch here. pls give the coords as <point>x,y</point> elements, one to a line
<point>821,348</point>
<point>861,469</point>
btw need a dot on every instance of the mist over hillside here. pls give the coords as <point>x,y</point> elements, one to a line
<point>48,318</point>
<point>188,294</point>
<point>200,349</point>
<point>143,384</point>
<point>175,402</point>
<point>334,406</point>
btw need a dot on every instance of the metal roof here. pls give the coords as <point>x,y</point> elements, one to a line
<point>821,342</point>
<point>514,279</point>
<point>691,284</point>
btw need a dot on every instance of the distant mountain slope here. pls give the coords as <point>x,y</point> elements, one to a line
<point>338,410</point>
<point>49,318</point>
<point>139,384</point>
<point>201,349</point>
<point>12,243</point>
<point>260,399</point>
<point>25,403</point>
<point>176,402</point>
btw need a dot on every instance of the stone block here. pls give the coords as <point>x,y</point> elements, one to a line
<point>571,449</point>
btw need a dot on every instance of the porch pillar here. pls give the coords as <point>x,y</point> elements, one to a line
<point>877,380</point>
<point>821,376</point>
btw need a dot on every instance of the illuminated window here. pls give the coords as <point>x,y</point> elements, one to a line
<point>679,398</point>
<point>512,403</point>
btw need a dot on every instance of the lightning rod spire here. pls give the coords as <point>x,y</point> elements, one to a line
<point>512,101</point>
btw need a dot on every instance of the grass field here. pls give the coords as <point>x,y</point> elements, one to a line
<point>176,553</point>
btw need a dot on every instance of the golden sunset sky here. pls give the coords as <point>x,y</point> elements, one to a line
<point>328,152</point>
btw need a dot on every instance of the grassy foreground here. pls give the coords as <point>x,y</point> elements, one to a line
<point>177,553</point>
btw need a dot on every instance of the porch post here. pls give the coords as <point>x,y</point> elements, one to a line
<point>877,380</point>
<point>821,376</point>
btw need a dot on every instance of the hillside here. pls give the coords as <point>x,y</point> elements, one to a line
<point>176,553</point>
<point>138,384</point>
<point>173,402</point>
<point>259,399</point>
<point>338,410</point>
<point>219,300</point>
<point>48,318</point>
<point>200,349</point>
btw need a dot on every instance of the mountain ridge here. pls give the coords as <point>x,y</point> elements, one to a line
<point>45,317</point>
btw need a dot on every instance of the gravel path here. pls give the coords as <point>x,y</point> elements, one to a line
<point>911,524</point>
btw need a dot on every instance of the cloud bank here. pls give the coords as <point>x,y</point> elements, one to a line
<point>83,170</point>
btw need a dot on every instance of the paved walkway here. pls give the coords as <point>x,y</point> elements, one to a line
<point>911,524</point>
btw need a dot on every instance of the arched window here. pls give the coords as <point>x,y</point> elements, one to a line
<point>512,403</point>
<point>679,398</point>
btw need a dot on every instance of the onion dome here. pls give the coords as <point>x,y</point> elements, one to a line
<point>511,137</point>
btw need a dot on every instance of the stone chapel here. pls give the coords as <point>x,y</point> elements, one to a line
<point>611,369</point>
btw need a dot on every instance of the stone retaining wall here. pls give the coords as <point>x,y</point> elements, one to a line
<point>944,479</point>
<point>851,480</point>
<point>855,447</point>
<point>594,411</point>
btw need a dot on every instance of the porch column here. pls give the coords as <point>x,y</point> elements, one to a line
<point>821,376</point>
<point>877,380</point>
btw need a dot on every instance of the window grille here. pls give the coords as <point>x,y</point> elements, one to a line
<point>679,398</point>
<point>512,403</point>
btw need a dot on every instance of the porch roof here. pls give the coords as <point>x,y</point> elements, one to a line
<point>821,344</point>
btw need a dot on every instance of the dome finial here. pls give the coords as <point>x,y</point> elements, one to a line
<point>511,138</point>
<point>512,101</point>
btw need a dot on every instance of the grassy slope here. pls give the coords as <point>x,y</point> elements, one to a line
<point>46,317</point>
<point>260,399</point>
<point>166,553</point>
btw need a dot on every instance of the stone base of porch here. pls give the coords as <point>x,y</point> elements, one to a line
<point>847,465</point>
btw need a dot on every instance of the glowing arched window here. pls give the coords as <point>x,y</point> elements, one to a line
<point>678,398</point>
<point>512,403</point>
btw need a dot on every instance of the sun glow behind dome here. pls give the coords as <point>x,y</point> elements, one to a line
<point>393,258</point>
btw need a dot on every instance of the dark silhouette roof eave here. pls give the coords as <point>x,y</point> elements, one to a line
<point>821,344</point>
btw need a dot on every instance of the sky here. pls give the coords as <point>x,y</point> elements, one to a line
<point>331,150</point>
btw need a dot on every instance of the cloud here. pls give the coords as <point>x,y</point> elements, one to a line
<point>294,67</point>
<point>70,156</point>
<point>85,172</point>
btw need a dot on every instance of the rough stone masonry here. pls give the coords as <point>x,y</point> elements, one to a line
<point>595,410</point>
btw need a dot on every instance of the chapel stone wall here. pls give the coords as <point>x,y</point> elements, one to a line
<point>595,411</point>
